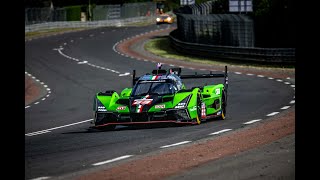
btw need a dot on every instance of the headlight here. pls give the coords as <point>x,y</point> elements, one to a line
<point>158,19</point>
<point>169,18</point>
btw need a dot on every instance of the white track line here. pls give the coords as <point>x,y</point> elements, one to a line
<point>112,160</point>
<point>272,114</point>
<point>176,144</point>
<point>81,62</point>
<point>49,130</point>
<point>219,132</point>
<point>285,107</point>
<point>44,86</point>
<point>41,178</point>
<point>253,121</point>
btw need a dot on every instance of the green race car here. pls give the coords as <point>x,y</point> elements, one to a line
<point>161,97</point>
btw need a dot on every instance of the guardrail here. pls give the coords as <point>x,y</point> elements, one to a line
<point>253,54</point>
<point>87,24</point>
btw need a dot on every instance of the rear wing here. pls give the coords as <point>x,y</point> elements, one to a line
<point>156,72</point>
<point>192,76</point>
<point>211,75</point>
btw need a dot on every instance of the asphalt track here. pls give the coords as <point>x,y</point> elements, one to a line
<point>72,67</point>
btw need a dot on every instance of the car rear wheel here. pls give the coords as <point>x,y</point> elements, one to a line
<point>198,118</point>
<point>223,106</point>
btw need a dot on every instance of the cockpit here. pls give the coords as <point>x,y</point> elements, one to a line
<point>161,87</point>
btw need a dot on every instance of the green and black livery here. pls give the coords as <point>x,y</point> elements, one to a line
<point>161,97</point>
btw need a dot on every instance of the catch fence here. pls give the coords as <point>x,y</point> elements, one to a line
<point>216,29</point>
<point>97,13</point>
<point>201,31</point>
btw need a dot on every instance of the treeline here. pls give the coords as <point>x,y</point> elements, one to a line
<point>169,4</point>
<point>64,3</point>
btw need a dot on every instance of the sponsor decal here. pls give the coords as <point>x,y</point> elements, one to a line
<point>104,110</point>
<point>142,101</point>
<point>194,108</point>
<point>160,106</point>
<point>180,105</point>
<point>217,91</point>
<point>121,108</point>
<point>139,108</point>
<point>149,81</point>
<point>155,77</point>
<point>203,110</point>
<point>101,108</point>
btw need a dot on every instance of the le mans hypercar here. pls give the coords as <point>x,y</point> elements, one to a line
<point>165,18</point>
<point>161,97</point>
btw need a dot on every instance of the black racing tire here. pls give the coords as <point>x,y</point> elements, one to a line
<point>198,118</point>
<point>223,106</point>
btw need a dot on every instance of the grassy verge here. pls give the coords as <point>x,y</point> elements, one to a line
<point>50,32</point>
<point>160,46</point>
<point>61,30</point>
<point>143,23</point>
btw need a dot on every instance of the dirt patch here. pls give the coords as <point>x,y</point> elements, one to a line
<point>31,89</point>
<point>172,162</point>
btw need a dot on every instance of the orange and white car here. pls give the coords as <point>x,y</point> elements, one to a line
<point>165,18</point>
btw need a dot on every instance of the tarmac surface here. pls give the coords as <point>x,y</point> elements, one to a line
<point>267,158</point>
<point>272,161</point>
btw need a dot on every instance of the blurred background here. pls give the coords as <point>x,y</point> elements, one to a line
<point>255,24</point>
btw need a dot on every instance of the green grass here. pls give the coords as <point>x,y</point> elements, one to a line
<point>144,23</point>
<point>160,46</point>
<point>50,31</point>
<point>60,30</point>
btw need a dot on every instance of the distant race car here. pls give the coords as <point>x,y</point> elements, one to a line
<point>161,97</point>
<point>164,18</point>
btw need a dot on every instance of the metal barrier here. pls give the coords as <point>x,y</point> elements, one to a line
<point>201,32</point>
<point>249,54</point>
<point>99,13</point>
<point>216,29</point>
<point>88,24</point>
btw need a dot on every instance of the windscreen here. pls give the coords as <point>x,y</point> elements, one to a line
<point>149,87</point>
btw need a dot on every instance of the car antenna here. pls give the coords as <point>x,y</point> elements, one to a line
<point>159,65</point>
